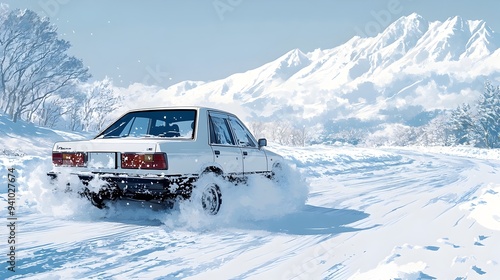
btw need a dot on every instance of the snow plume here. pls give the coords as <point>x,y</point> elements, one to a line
<point>257,199</point>
<point>61,198</point>
<point>54,198</point>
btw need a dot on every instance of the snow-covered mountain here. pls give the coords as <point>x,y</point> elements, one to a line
<point>412,66</point>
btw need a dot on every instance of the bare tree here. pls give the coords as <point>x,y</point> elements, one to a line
<point>50,112</point>
<point>98,104</point>
<point>282,132</point>
<point>73,114</point>
<point>258,129</point>
<point>33,63</point>
<point>300,135</point>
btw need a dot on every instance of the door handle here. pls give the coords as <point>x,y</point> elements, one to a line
<point>245,153</point>
<point>217,152</point>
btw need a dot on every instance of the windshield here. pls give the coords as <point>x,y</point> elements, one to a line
<point>160,123</point>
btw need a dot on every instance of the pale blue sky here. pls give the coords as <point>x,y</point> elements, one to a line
<point>165,41</point>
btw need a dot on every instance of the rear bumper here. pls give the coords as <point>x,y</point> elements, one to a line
<point>157,188</point>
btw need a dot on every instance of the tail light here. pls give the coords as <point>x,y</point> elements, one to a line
<point>144,161</point>
<point>69,159</point>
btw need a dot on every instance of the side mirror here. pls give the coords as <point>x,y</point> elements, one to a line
<point>262,142</point>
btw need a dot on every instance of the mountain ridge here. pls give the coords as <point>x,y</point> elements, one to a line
<point>413,63</point>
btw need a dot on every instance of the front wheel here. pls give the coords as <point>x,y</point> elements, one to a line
<point>276,171</point>
<point>211,199</point>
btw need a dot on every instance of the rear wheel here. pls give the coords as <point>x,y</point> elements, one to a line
<point>211,199</point>
<point>94,198</point>
<point>107,192</point>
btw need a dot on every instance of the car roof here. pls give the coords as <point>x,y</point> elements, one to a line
<point>198,108</point>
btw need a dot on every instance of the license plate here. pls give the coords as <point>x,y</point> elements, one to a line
<point>102,160</point>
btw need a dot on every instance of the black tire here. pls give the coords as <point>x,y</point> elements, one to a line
<point>276,171</point>
<point>94,198</point>
<point>211,199</point>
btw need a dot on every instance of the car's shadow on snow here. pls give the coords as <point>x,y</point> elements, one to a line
<point>313,220</point>
<point>308,220</point>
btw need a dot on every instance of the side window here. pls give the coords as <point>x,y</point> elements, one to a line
<point>159,123</point>
<point>219,131</point>
<point>164,129</point>
<point>126,130</point>
<point>243,136</point>
<point>140,127</point>
<point>136,127</point>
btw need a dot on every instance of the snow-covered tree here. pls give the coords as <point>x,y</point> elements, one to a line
<point>34,64</point>
<point>488,121</point>
<point>391,135</point>
<point>461,126</point>
<point>435,133</point>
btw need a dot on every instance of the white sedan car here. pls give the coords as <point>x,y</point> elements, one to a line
<point>157,155</point>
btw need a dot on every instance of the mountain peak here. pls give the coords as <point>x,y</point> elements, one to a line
<point>412,18</point>
<point>458,38</point>
<point>402,34</point>
<point>456,24</point>
<point>396,40</point>
<point>287,65</point>
<point>294,57</point>
<point>411,21</point>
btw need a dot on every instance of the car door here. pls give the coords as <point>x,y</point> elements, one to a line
<point>254,159</point>
<point>226,153</point>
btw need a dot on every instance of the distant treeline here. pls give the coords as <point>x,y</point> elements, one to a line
<point>476,125</point>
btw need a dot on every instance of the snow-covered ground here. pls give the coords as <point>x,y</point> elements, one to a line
<point>339,212</point>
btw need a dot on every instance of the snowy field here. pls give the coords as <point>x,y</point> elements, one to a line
<point>338,212</point>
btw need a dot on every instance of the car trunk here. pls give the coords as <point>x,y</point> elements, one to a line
<point>106,155</point>
<point>108,145</point>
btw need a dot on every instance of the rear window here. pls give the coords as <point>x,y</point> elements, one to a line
<point>161,123</point>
